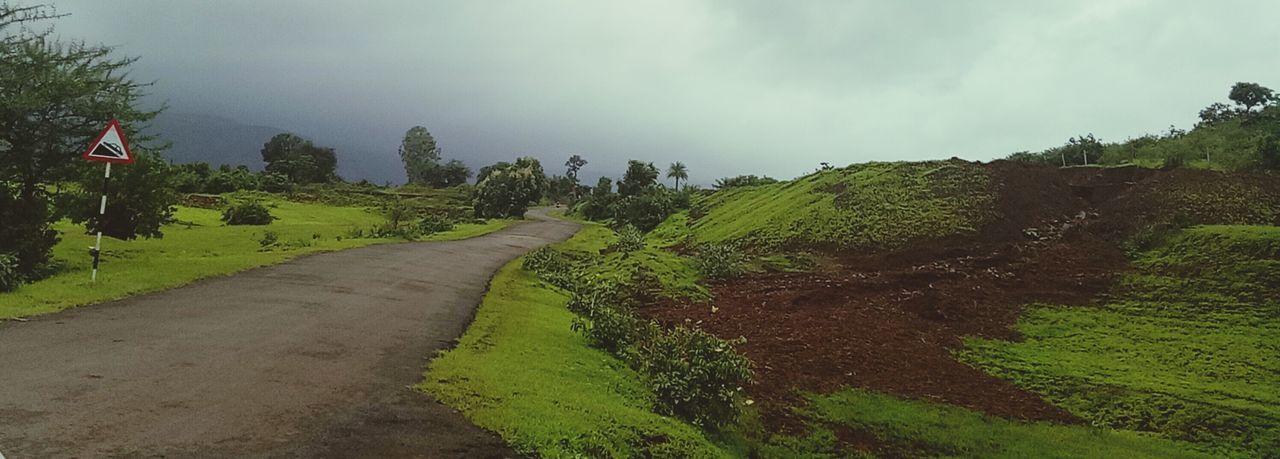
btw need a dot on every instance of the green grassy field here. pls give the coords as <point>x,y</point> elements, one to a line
<point>919,429</point>
<point>522,372</point>
<point>1187,348</point>
<point>873,204</point>
<point>198,246</point>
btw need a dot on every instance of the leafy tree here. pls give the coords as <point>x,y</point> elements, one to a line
<point>1215,113</point>
<point>453,173</point>
<point>54,97</point>
<point>1083,147</point>
<point>486,170</point>
<point>508,192</point>
<point>300,160</point>
<point>574,164</point>
<point>420,154</point>
<point>647,209</point>
<point>600,204</point>
<point>191,177</point>
<point>560,188</point>
<point>639,175</point>
<point>677,171</point>
<point>1249,95</point>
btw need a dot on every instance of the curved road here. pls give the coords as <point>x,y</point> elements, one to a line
<point>310,358</point>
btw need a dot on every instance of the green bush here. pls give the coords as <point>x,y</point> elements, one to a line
<point>606,320</point>
<point>9,275</point>
<point>435,223</point>
<point>247,213</point>
<point>695,375</point>
<point>553,266</point>
<point>647,209</point>
<point>720,261</point>
<point>269,239</point>
<point>630,239</point>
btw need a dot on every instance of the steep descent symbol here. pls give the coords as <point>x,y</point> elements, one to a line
<point>110,146</point>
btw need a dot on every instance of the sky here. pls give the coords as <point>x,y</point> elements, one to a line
<point>726,86</point>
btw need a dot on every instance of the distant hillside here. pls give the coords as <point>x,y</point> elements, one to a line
<point>212,139</point>
<point>217,140</point>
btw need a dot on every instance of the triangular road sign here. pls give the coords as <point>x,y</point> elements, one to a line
<point>110,146</point>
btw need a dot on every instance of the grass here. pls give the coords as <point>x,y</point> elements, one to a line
<point>1187,347</point>
<point>914,428</point>
<point>522,372</point>
<point>199,246</point>
<point>864,205</point>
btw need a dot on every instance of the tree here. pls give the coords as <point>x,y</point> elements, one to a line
<point>420,154</point>
<point>679,172</point>
<point>486,170</point>
<point>639,176</point>
<point>574,164</point>
<point>1215,113</point>
<point>54,98</point>
<point>508,192</point>
<point>299,159</point>
<point>1083,147</point>
<point>599,205</point>
<point>1249,95</point>
<point>453,173</point>
<point>1269,151</point>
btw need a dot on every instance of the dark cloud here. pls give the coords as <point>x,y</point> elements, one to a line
<point>726,86</point>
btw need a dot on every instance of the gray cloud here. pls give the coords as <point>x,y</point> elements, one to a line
<point>726,86</point>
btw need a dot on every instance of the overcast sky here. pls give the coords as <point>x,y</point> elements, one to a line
<point>729,87</point>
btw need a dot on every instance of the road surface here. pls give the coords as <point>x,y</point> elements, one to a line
<point>310,358</point>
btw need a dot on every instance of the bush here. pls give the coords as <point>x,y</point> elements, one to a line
<point>630,239</point>
<point>247,213</point>
<point>647,209</point>
<point>9,275</point>
<point>606,320</point>
<point>553,266</point>
<point>719,261</point>
<point>435,223</point>
<point>508,192</point>
<point>695,375</point>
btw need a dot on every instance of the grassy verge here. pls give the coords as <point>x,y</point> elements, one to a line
<point>522,372</point>
<point>1186,349</point>
<point>198,246</point>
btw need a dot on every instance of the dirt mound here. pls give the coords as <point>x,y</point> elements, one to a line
<point>891,321</point>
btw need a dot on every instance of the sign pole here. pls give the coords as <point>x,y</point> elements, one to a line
<point>102,212</point>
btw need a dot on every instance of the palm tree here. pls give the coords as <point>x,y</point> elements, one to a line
<point>679,172</point>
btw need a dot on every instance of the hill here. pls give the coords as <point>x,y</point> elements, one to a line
<point>212,139</point>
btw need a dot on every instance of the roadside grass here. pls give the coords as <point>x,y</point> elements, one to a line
<point>863,205</point>
<point>919,429</point>
<point>199,245</point>
<point>1187,348</point>
<point>521,371</point>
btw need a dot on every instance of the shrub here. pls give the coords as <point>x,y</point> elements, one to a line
<point>606,320</point>
<point>719,261</point>
<point>630,239</point>
<point>553,266</point>
<point>1173,161</point>
<point>435,223</point>
<point>247,213</point>
<point>695,375</point>
<point>269,239</point>
<point>9,275</point>
<point>647,209</point>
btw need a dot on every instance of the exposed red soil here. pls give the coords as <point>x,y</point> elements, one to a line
<point>891,321</point>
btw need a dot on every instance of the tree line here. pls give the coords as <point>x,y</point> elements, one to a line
<point>1244,135</point>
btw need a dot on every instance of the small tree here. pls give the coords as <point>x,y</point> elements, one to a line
<point>140,199</point>
<point>420,155</point>
<point>639,175</point>
<point>510,191</point>
<point>299,159</point>
<point>677,171</point>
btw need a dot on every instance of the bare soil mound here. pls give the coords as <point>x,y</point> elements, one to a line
<point>890,321</point>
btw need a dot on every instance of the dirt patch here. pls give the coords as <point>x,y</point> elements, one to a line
<point>891,321</point>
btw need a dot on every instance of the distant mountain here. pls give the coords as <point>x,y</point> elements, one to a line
<point>212,139</point>
<point>217,140</point>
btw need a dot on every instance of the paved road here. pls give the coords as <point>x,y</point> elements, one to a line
<point>311,358</point>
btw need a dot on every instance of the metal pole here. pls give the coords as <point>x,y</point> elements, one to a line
<point>102,212</point>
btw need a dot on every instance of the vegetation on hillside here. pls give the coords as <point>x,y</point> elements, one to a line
<point>865,205</point>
